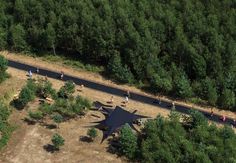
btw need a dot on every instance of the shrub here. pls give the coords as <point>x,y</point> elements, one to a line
<point>92,133</point>
<point>57,141</point>
<point>26,95</point>
<point>44,89</point>
<point>37,115</point>
<point>67,90</point>
<point>3,68</point>
<point>4,112</point>
<point>57,118</point>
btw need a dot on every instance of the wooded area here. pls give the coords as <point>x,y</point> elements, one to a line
<point>172,140</point>
<point>183,48</point>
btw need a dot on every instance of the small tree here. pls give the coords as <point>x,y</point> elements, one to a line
<point>57,119</point>
<point>67,90</point>
<point>128,142</point>
<point>92,133</point>
<point>57,141</point>
<point>26,95</point>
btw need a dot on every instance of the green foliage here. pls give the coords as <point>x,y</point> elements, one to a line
<point>67,90</point>
<point>58,119</point>
<point>118,71</point>
<point>37,115</point>
<point>3,68</point>
<point>128,142</point>
<point>168,140</point>
<point>44,89</point>
<point>57,141</point>
<point>92,133</point>
<point>18,37</point>
<point>208,91</point>
<point>182,87</point>
<point>6,131</point>
<point>25,96</point>
<point>227,99</point>
<point>5,128</point>
<point>4,112</point>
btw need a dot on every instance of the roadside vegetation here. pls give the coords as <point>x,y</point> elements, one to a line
<point>179,139</point>
<point>5,128</point>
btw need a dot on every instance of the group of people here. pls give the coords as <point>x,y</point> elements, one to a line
<point>126,100</point>
<point>30,74</point>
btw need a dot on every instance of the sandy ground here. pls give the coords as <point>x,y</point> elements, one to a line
<point>98,78</point>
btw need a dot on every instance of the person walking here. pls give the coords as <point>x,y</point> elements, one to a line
<point>30,74</point>
<point>112,99</point>
<point>37,70</point>
<point>62,75</point>
<point>126,99</point>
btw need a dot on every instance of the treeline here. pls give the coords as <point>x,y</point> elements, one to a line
<point>172,140</point>
<point>184,48</point>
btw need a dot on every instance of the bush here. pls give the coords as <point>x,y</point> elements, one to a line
<point>26,95</point>
<point>57,141</point>
<point>92,133</point>
<point>67,90</point>
<point>37,115</point>
<point>44,89</point>
<point>3,68</point>
<point>57,119</point>
<point>4,112</point>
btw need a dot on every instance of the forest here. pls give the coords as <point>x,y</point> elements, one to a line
<point>181,48</point>
<point>172,140</point>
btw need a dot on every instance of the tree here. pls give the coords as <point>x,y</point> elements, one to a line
<point>51,37</point>
<point>3,68</point>
<point>18,37</point>
<point>209,91</point>
<point>128,142</point>
<point>57,141</point>
<point>118,71</point>
<point>3,38</point>
<point>57,119</point>
<point>227,99</point>
<point>92,133</point>
<point>182,87</point>
<point>26,95</point>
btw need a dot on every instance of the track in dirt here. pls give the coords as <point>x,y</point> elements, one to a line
<point>115,91</point>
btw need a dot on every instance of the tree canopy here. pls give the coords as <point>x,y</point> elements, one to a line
<point>174,140</point>
<point>170,46</point>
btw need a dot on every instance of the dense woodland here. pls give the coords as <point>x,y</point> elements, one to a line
<point>182,48</point>
<point>171,141</point>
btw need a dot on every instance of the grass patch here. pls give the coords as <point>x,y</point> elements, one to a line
<point>73,63</point>
<point>6,131</point>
